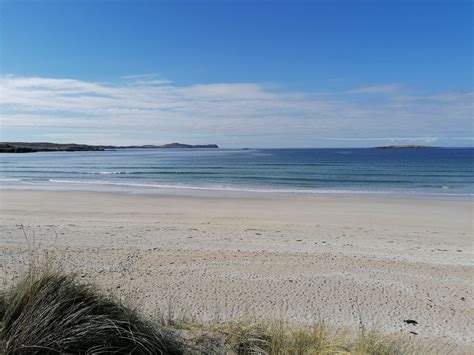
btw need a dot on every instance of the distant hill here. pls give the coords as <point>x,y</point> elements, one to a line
<point>27,147</point>
<point>174,145</point>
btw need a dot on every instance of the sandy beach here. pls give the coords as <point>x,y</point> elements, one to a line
<point>347,259</point>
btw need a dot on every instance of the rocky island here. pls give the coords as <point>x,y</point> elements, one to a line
<point>27,147</point>
<point>404,146</point>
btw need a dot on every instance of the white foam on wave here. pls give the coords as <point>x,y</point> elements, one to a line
<point>109,172</point>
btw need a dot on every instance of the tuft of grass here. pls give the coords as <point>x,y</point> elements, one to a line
<point>49,312</point>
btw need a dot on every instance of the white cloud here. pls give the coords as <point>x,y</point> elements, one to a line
<point>256,114</point>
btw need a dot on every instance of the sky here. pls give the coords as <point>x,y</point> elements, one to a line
<point>354,73</point>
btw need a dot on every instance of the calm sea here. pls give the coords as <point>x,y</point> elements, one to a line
<point>446,171</point>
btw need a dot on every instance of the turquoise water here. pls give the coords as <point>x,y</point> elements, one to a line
<point>447,171</point>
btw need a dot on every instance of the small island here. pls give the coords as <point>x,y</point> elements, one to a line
<point>28,147</point>
<point>404,146</point>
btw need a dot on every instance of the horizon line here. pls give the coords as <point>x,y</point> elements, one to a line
<point>244,147</point>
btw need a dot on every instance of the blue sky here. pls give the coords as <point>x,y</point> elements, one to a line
<point>238,73</point>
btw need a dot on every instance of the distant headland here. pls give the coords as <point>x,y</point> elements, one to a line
<point>27,147</point>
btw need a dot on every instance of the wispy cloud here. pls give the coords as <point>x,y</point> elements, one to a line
<point>254,114</point>
<point>138,76</point>
<point>377,89</point>
<point>145,80</point>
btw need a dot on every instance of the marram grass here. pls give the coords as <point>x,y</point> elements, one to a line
<point>51,312</point>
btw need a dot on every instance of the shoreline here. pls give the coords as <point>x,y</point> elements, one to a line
<point>333,257</point>
<point>230,192</point>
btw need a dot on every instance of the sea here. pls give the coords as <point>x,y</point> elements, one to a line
<point>425,172</point>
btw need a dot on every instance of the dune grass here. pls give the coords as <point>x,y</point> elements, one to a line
<point>279,337</point>
<point>51,312</point>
